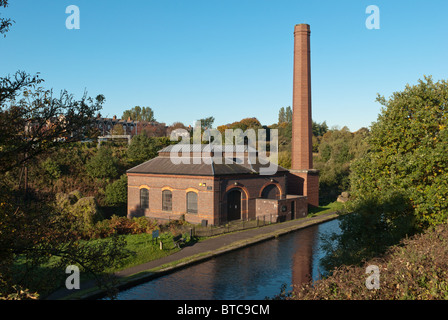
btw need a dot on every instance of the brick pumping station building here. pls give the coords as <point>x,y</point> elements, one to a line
<point>219,192</point>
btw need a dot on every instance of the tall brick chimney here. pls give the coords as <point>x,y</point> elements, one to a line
<point>303,179</point>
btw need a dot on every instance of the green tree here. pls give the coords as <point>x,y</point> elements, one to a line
<point>281,115</point>
<point>337,150</point>
<point>408,147</point>
<point>399,185</point>
<point>288,115</point>
<point>117,192</point>
<point>103,165</point>
<point>207,123</point>
<point>144,148</point>
<point>319,129</point>
<point>118,129</point>
<point>51,168</point>
<point>139,114</point>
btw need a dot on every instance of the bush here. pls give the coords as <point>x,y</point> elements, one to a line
<point>121,226</point>
<point>75,195</point>
<point>103,165</point>
<point>83,211</point>
<point>116,193</point>
<point>375,224</point>
<point>52,168</point>
<point>86,209</point>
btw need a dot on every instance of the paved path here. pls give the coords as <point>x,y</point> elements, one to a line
<point>199,252</point>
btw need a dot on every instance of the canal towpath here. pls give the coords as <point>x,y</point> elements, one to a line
<point>191,254</point>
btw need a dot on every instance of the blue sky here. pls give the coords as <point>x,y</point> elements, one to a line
<point>229,59</point>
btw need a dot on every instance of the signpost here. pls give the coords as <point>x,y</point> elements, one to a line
<point>155,236</point>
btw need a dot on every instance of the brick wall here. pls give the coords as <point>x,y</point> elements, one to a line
<point>179,186</point>
<point>251,188</point>
<point>212,199</point>
<point>304,182</point>
<point>281,210</point>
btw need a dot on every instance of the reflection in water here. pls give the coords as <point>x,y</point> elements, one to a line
<point>254,272</point>
<point>302,258</point>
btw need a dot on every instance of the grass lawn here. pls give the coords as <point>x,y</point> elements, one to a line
<point>327,208</point>
<point>142,246</point>
<point>146,249</point>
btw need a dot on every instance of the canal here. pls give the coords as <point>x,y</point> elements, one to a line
<point>251,273</point>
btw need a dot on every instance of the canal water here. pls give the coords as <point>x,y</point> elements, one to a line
<point>251,273</point>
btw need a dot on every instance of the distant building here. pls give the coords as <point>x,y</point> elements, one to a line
<point>130,127</point>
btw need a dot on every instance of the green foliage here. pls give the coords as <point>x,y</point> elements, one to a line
<point>144,148</point>
<point>244,124</point>
<point>117,192</point>
<point>416,269</point>
<point>86,210</point>
<point>52,168</point>
<point>337,150</point>
<point>119,225</point>
<point>319,129</point>
<point>75,195</point>
<point>33,234</point>
<point>408,147</point>
<point>139,114</point>
<point>118,130</point>
<point>22,140</point>
<point>207,123</point>
<point>83,210</point>
<point>399,185</point>
<point>284,159</point>
<point>281,115</point>
<point>103,165</point>
<point>285,115</point>
<point>369,229</point>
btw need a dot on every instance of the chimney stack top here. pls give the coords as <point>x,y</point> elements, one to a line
<point>302,28</point>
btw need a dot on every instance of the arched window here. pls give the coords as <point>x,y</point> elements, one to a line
<point>144,198</point>
<point>192,202</point>
<point>270,192</point>
<point>167,200</point>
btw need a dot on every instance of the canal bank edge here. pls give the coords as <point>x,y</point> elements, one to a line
<point>126,280</point>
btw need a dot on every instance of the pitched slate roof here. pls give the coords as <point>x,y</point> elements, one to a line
<point>201,166</point>
<point>195,148</point>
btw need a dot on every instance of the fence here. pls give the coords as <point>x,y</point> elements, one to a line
<point>237,225</point>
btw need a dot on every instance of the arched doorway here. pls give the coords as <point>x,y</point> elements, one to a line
<point>234,204</point>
